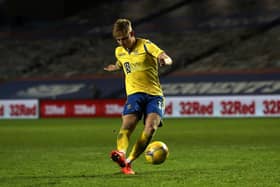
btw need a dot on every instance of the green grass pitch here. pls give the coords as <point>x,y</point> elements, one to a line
<point>203,152</point>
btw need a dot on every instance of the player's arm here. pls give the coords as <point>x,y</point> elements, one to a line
<point>112,67</point>
<point>164,59</point>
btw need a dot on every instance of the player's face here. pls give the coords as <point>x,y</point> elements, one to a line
<point>125,39</point>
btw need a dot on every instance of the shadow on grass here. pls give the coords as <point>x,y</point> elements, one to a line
<point>82,176</point>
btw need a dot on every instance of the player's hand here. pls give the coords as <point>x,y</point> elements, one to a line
<point>164,59</point>
<point>161,62</point>
<point>111,67</point>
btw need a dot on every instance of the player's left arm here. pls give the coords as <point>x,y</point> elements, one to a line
<point>164,59</point>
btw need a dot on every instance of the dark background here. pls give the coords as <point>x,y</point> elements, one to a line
<point>20,12</point>
<point>55,38</point>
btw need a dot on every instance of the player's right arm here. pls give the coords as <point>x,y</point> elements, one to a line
<point>112,67</point>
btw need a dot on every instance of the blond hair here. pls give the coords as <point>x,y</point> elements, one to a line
<point>121,26</point>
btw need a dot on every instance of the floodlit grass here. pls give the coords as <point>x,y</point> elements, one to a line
<point>203,152</point>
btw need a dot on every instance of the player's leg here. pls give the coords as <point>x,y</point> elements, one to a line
<point>152,121</point>
<point>128,125</point>
<point>131,114</point>
<point>153,115</point>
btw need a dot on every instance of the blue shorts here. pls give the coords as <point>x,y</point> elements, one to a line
<point>143,104</point>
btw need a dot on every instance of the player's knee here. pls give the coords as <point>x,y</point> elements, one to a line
<point>152,125</point>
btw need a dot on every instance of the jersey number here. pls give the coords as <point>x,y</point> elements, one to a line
<point>127,67</point>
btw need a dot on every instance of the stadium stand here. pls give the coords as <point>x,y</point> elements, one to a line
<point>211,35</point>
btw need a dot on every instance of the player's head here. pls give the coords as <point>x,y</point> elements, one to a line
<point>123,32</point>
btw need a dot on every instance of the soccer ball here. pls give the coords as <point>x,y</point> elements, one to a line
<point>156,152</point>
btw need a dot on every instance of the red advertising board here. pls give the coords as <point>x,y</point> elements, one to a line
<point>19,109</point>
<point>81,108</point>
<point>190,106</point>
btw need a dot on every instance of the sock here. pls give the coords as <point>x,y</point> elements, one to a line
<point>122,140</point>
<point>140,146</point>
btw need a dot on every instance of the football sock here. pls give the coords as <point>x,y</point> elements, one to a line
<point>140,146</point>
<point>122,140</point>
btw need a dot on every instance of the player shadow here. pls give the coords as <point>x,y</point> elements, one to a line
<point>82,176</point>
<point>86,176</point>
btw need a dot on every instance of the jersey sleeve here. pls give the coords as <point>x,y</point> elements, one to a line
<point>152,49</point>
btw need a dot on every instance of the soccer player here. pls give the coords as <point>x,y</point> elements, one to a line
<point>139,59</point>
